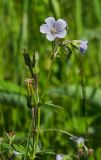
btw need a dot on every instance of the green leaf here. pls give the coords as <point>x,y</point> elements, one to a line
<point>20,149</point>
<point>53,105</point>
<point>47,151</point>
<point>55,7</point>
<point>93,95</point>
<point>12,99</point>
<point>12,94</point>
<point>97,10</point>
<point>6,146</point>
<point>11,87</point>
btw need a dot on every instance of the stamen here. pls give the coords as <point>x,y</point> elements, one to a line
<point>53,30</point>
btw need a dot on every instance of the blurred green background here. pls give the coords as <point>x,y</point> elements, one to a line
<point>20,21</point>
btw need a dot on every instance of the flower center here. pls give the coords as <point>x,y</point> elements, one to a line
<point>53,30</point>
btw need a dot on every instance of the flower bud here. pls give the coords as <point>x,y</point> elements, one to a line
<point>27,59</point>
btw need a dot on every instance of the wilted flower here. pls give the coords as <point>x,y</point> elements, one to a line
<point>91,151</point>
<point>53,28</point>
<point>83,46</point>
<point>28,81</point>
<point>59,157</point>
<point>80,152</point>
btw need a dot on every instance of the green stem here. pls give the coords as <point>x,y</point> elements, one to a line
<point>38,127</point>
<point>84,95</point>
<point>28,141</point>
<point>52,61</point>
<point>50,70</point>
<point>51,65</point>
<point>60,131</point>
<point>37,119</point>
<point>37,136</point>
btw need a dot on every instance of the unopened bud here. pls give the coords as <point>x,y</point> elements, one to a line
<point>27,59</point>
<point>35,59</point>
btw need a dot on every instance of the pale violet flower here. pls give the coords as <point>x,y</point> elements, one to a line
<point>83,46</point>
<point>80,141</point>
<point>59,157</point>
<point>54,28</point>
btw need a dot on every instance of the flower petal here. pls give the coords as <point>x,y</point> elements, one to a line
<point>83,46</point>
<point>59,157</point>
<point>50,21</point>
<point>61,34</point>
<point>84,42</point>
<point>50,37</point>
<point>44,28</point>
<point>60,24</point>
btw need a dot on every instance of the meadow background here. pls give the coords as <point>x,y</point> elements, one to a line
<point>20,21</point>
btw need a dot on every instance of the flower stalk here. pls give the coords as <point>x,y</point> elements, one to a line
<point>55,50</point>
<point>83,87</point>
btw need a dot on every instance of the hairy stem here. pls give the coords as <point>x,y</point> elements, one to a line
<point>38,132</point>
<point>53,56</point>
<point>84,94</point>
<point>37,120</point>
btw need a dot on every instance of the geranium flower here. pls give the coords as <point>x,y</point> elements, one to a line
<point>59,157</point>
<point>53,28</point>
<point>83,46</point>
<point>80,142</point>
